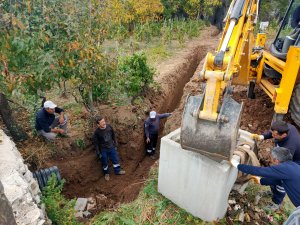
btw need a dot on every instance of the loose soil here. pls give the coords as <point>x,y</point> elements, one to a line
<point>176,78</point>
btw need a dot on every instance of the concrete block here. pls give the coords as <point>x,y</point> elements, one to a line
<point>192,181</point>
<point>80,204</point>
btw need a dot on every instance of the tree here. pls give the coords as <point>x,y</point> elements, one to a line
<point>17,133</point>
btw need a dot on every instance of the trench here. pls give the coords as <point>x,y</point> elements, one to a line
<point>82,170</point>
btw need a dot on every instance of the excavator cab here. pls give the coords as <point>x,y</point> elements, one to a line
<point>287,35</point>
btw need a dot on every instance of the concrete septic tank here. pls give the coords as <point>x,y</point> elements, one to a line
<point>194,182</point>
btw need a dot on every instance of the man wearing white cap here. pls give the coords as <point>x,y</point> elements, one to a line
<point>151,131</point>
<point>47,124</point>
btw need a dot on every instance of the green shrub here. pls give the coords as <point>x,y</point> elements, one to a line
<point>135,74</point>
<point>80,143</point>
<point>59,210</point>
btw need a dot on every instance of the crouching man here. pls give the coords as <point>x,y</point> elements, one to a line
<point>47,124</point>
<point>282,176</point>
<point>105,144</point>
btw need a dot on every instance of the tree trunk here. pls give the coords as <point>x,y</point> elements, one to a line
<point>91,102</point>
<point>17,133</point>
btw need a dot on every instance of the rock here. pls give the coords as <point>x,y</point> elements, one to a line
<point>7,216</point>
<point>79,214</point>
<point>42,222</point>
<point>101,197</point>
<point>33,215</point>
<point>257,209</point>
<point>80,204</point>
<point>231,202</point>
<point>241,216</point>
<point>20,188</point>
<point>91,206</point>
<point>91,200</point>
<point>247,217</point>
<point>240,188</point>
<point>256,216</point>
<point>237,207</point>
<point>86,213</point>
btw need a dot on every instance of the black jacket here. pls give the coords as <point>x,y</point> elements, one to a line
<point>104,138</point>
<point>44,119</point>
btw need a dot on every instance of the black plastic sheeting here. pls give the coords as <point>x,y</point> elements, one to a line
<point>42,176</point>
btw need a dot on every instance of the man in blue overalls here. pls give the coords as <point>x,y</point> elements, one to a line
<point>151,131</point>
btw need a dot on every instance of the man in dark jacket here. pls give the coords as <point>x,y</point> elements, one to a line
<point>284,173</point>
<point>105,144</point>
<point>47,124</point>
<point>151,131</point>
<point>285,135</point>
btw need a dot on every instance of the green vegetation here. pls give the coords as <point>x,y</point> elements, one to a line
<point>135,74</point>
<point>47,43</point>
<point>59,210</point>
<point>149,208</point>
<point>80,143</point>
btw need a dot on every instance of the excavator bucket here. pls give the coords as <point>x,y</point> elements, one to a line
<point>214,139</point>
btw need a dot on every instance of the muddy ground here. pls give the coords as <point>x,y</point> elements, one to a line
<point>177,77</point>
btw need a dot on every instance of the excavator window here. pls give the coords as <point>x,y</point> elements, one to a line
<point>287,35</point>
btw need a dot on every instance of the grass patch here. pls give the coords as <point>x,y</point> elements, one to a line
<point>149,208</point>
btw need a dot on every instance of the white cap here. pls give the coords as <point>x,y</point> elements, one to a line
<point>152,114</point>
<point>49,104</point>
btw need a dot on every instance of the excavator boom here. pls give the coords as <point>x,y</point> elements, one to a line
<point>211,121</point>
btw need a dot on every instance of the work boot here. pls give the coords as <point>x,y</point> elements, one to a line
<point>122,172</point>
<point>106,177</point>
<point>272,207</point>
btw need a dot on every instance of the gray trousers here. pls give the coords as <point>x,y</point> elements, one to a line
<point>294,218</point>
<point>50,135</point>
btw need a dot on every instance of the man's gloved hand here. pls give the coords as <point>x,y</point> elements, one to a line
<point>148,140</point>
<point>256,179</point>
<point>257,137</point>
<point>234,162</point>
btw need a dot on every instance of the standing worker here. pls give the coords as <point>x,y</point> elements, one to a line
<point>151,131</point>
<point>105,144</point>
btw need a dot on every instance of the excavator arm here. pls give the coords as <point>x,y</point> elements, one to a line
<point>211,121</point>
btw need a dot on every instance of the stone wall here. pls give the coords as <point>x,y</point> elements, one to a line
<point>20,188</point>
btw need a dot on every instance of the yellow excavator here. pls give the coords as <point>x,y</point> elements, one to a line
<point>211,120</point>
